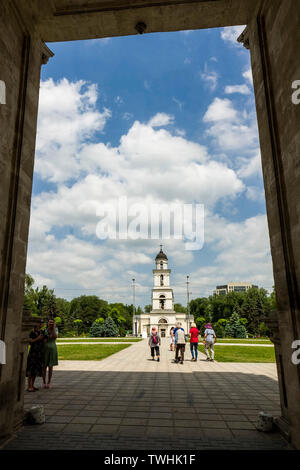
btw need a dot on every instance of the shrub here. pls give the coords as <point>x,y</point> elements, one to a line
<point>234,328</point>
<point>220,327</point>
<point>107,328</point>
<point>201,322</point>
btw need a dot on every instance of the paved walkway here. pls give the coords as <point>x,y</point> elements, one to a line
<point>127,401</point>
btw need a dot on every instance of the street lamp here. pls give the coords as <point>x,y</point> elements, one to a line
<point>134,317</point>
<point>188,301</point>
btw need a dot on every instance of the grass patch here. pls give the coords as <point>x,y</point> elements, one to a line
<point>89,352</point>
<point>244,341</point>
<point>240,340</point>
<point>242,354</point>
<point>105,340</point>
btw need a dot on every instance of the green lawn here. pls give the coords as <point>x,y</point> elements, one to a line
<point>242,354</point>
<point>105,340</point>
<point>245,341</point>
<point>89,352</point>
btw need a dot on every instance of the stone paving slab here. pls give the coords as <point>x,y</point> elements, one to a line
<point>127,401</point>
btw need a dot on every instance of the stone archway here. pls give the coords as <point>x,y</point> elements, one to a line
<point>23,28</point>
<point>163,327</point>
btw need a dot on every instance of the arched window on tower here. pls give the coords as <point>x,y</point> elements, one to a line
<point>162,301</point>
<point>161,279</point>
<point>161,265</point>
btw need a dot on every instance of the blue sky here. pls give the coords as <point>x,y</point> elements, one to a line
<point>157,118</point>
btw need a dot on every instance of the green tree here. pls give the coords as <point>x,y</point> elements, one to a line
<point>255,307</point>
<point>78,325</point>
<point>30,298</point>
<point>123,317</point>
<point>49,308</point>
<point>87,308</point>
<point>200,307</point>
<point>220,327</point>
<point>180,308</point>
<point>148,308</point>
<point>63,308</point>
<point>263,329</point>
<point>58,321</point>
<point>96,330</point>
<point>234,328</point>
<point>106,329</point>
<point>272,300</point>
<point>201,322</point>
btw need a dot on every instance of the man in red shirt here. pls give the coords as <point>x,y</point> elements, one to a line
<point>194,339</point>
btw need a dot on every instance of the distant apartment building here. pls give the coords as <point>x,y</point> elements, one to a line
<point>233,287</point>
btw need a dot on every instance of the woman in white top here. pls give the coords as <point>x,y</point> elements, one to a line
<point>172,339</point>
<point>209,340</point>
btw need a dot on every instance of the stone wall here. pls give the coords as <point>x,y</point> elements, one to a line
<point>274,38</point>
<point>20,70</point>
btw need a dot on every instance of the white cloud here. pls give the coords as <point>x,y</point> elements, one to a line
<point>161,119</point>
<point>230,34</point>
<point>231,128</point>
<point>220,110</point>
<point>67,117</point>
<point>210,77</point>
<point>250,167</point>
<point>127,116</point>
<point>242,253</point>
<point>180,132</point>
<point>255,193</point>
<point>243,89</point>
<point>150,165</point>
<point>248,75</point>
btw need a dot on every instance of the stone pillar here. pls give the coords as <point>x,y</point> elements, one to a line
<point>21,56</point>
<point>274,37</point>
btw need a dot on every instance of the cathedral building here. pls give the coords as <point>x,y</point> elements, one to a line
<point>162,315</point>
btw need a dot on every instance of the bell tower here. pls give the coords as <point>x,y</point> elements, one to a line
<point>162,293</point>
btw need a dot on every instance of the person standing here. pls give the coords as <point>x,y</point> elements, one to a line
<point>179,343</point>
<point>50,351</point>
<point>172,339</point>
<point>154,342</point>
<point>35,356</point>
<point>209,340</point>
<point>194,339</point>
